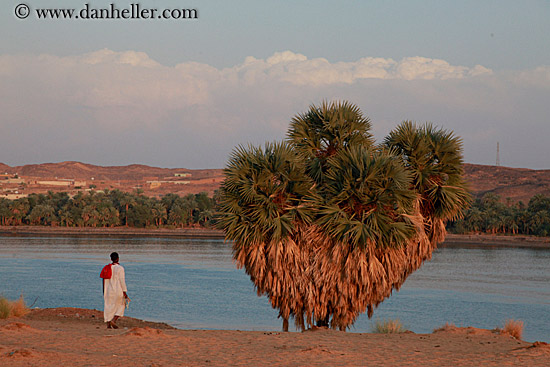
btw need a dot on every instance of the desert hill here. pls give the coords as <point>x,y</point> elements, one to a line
<point>72,177</point>
<point>83,171</point>
<point>518,184</point>
<point>4,168</point>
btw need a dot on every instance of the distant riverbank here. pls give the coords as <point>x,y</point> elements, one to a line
<point>487,240</point>
<point>451,240</point>
<point>110,232</point>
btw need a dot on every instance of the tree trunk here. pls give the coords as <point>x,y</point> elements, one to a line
<point>285,324</point>
<point>324,322</point>
<point>126,216</point>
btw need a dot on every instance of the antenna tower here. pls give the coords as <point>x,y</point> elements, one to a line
<point>498,154</point>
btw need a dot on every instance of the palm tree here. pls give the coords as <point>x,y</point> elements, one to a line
<point>364,213</point>
<point>177,216</point>
<point>4,211</point>
<point>366,216</point>
<point>90,215</point>
<point>474,220</point>
<point>327,225</point>
<point>262,210</point>
<point>205,216</point>
<point>189,203</point>
<point>434,158</point>
<point>19,209</point>
<point>66,217</point>
<point>42,214</point>
<point>126,201</point>
<point>108,215</point>
<point>159,213</point>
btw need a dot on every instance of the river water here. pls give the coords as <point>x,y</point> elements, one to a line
<point>193,284</point>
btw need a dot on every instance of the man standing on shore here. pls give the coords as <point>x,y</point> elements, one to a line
<point>114,291</point>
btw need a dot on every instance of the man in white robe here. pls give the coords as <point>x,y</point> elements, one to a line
<point>114,293</point>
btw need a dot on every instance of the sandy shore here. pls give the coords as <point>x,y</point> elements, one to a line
<point>78,337</point>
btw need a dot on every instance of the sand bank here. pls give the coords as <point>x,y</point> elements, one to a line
<point>77,337</point>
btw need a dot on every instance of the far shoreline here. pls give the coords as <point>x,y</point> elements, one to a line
<point>496,241</point>
<point>188,232</point>
<point>451,240</point>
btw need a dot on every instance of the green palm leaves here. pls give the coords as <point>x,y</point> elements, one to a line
<point>434,157</point>
<point>262,194</point>
<point>365,199</point>
<point>328,224</point>
<point>322,131</point>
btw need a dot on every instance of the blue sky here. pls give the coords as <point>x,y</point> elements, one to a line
<point>503,34</point>
<point>182,93</point>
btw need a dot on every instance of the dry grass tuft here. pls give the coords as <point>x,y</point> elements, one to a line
<point>446,327</point>
<point>13,308</point>
<point>514,328</point>
<point>19,308</point>
<point>5,308</point>
<point>388,327</point>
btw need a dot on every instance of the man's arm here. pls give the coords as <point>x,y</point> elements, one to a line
<point>122,278</point>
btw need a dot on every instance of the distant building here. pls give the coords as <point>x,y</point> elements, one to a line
<point>150,178</point>
<point>154,184</point>
<point>182,174</point>
<point>54,183</point>
<point>13,181</point>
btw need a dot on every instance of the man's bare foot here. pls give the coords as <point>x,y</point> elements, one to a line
<point>109,325</point>
<point>115,326</point>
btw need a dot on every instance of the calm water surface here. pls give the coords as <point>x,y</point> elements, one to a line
<point>194,284</point>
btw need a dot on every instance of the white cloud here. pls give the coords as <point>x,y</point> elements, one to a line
<point>107,56</point>
<point>299,70</point>
<point>108,104</point>
<point>106,78</point>
<point>538,77</point>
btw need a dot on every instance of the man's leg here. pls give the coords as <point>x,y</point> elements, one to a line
<point>113,322</point>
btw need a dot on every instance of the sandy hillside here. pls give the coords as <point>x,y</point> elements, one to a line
<point>514,183</point>
<point>77,337</point>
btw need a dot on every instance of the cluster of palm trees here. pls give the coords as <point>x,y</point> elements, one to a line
<point>110,208</point>
<point>328,223</point>
<point>491,215</point>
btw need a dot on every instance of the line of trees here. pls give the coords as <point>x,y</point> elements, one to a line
<point>110,208</point>
<point>491,215</point>
<point>115,208</point>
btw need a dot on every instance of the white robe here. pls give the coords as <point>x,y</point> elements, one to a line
<point>113,296</point>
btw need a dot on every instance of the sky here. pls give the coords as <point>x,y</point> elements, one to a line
<point>184,92</point>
